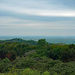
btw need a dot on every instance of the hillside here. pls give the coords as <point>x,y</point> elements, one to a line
<point>19,57</point>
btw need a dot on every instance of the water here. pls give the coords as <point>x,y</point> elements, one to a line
<point>50,39</point>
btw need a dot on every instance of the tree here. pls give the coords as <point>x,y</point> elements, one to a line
<point>42,42</point>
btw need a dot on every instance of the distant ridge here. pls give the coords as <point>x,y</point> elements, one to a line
<point>49,39</point>
<point>31,42</point>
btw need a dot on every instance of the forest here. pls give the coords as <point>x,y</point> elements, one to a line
<point>29,57</point>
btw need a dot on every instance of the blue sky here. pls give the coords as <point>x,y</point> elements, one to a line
<point>37,17</point>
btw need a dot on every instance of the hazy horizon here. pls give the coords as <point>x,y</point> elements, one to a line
<point>50,39</point>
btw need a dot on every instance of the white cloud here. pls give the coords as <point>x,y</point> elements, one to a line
<point>39,8</point>
<point>8,22</point>
<point>36,9</point>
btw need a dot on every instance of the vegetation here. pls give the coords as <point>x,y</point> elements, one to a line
<point>20,57</point>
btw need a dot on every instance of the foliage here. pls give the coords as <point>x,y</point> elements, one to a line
<point>42,58</point>
<point>4,63</point>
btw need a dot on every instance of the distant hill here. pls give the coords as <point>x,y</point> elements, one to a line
<point>16,40</point>
<point>31,42</point>
<point>49,39</point>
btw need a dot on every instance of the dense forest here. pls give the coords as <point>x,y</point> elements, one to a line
<point>29,57</point>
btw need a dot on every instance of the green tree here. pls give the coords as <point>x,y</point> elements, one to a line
<point>41,42</point>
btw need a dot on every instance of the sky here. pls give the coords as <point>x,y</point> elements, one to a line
<point>37,17</point>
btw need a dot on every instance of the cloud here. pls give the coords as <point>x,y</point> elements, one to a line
<point>39,17</point>
<point>38,8</point>
<point>30,24</point>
